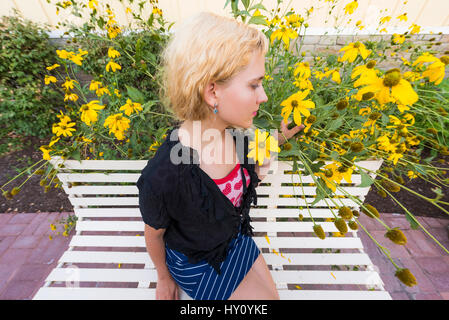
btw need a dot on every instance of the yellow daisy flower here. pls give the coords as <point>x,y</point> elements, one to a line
<point>285,34</point>
<point>352,50</point>
<point>298,105</point>
<point>89,112</point>
<point>131,107</point>
<point>391,88</point>
<point>261,146</point>
<point>350,7</point>
<point>112,65</point>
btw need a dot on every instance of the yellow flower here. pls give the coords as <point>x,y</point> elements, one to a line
<point>402,17</point>
<point>261,146</point>
<point>131,107</point>
<point>89,113</point>
<point>46,153</point>
<point>436,70</point>
<point>303,69</point>
<point>350,7</point>
<point>398,38</point>
<point>294,20</point>
<point>93,4</point>
<point>117,124</point>
<point>298,105</point>
<point>63,54</point>
<point>411,175</point>
<point>94,85</point>
<point>385,19</point>
<point>70,96</point>
<point>285,34</point>
<point>69,84</point>
<point>112,65</point>
<point>154,146</point>
<point>354,49</point>
<point>101,91</point>
<point>64,129</point>
<point>415,28</point>
<point>366,73</point>
<point>391,88</point>
<point>112,53</point>
<point>53,67</point>
<point>49,79</point>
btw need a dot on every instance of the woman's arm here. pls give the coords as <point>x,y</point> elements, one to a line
<point>166,286</point>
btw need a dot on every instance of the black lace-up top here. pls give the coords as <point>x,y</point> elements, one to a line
<point>176,194</point>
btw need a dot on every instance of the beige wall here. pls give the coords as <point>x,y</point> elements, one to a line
<point>433,14</point>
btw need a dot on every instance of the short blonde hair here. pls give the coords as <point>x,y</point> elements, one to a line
<point>206,48</point>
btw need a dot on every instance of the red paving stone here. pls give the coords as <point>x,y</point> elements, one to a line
<point>27,255</point>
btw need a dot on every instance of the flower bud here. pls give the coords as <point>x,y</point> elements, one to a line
<point>345,213</point>
<point>390,186</point>
<point>319,231</point>
<point>397,236</point>
<point>406,277</point>
<point>357,147</point>
<point>287,146</point>
<point>342,104</point>
<point>15,191</point>
<point>432,131</point>
<point>341,225</point>
<point>370,211</point>
<point>353,225</point>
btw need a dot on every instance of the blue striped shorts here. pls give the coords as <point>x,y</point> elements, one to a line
<point>201,282</point>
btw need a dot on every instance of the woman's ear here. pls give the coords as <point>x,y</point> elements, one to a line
<point>210,96</point>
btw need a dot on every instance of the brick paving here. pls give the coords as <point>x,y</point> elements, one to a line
<point>27,255</point>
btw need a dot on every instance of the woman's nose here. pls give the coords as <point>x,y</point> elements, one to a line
<point>263,97</point>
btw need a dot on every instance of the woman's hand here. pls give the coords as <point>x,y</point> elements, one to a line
<point>288,133</point>
<point>166,289</point>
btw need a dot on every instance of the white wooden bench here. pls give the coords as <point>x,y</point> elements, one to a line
<point>107,258</point>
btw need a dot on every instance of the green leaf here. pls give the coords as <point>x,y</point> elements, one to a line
<point>258,6</point>
<point>258,20</point>
<point>366,180</point>
<point>135,95</point>
<point>245,3</point>
<point>412,222</point>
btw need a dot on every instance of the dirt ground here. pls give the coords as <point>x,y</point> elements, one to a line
<point>33,199</point>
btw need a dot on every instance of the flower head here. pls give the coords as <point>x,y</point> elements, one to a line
<point>298,105</point>
<point>261,146</point>
<point>354,49</point>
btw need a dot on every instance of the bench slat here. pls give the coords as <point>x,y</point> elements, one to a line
<point>138,226</point>
<point>275,242</point>
<point>271,258</point>
<point>271,202</point>
<point>74,275</point>
<point>261,190</point>
<point>55,293</point>
<point>254,212</point>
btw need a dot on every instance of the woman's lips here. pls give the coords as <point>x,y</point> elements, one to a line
<point>254,113</point>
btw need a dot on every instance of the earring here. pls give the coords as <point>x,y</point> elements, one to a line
<point>215,108</point>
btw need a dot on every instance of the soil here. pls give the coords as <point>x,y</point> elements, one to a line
<point>416,205</point>
<point>33,199</point>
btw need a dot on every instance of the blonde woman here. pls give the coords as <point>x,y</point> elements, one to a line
<point>196,213</point>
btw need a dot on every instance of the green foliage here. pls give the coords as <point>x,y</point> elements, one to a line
<point>27,105</point>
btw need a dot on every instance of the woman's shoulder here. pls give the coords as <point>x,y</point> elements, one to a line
<point>160,172</point>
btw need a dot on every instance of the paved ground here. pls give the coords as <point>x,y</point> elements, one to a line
<point>27,255</point>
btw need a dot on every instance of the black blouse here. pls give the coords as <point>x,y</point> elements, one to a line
<point>176,194</point>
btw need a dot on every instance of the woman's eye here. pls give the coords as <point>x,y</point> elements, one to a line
<point>254,86</point>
